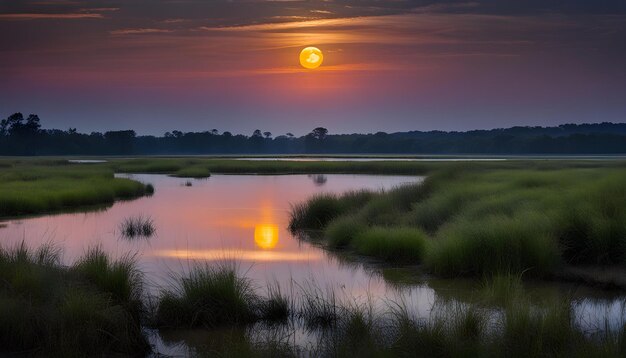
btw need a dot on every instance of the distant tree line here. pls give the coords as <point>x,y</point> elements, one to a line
<point>21,135</point>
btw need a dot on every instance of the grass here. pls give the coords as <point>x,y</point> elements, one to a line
<point>496,244</point>
<point>208,296</point>
<point>496,220</point>
<point>30,187</point>
<point>54,310</point>
<point>277,307</point>
<point>137,226</point>
<point>472,221</point>
<point>319,308</point>
<point>94,307</point>
<point>398,244</point>
<point>211,296</point>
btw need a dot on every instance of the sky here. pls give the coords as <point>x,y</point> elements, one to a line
<point>389,65</point>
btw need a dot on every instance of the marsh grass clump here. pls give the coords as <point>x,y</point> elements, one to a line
<point>500,289</point>
<point>319,308</point>
<point>457,331</point>
<point>499,244</point>
<point>188,183</point>
<point>343,230</point>
<point>209,296</point>
<point>137,226</point>
<point>398,244</point>
<point>50,309</point>
<point>529,331</point>
<point>276,307</point>
<point>358,332</point>
<point>592,224</point>
<point>119,279</point>
<point>198,172</point>
<point>315,214</point>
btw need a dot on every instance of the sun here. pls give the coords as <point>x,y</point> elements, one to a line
<point>311,58</point>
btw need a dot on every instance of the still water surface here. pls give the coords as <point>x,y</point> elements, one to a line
<point>242,217</point>
<point>245,217</point>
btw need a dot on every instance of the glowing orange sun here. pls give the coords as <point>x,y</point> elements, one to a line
<point>311,58</point>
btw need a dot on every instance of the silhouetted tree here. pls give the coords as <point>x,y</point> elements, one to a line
<point>24,136</point>
<point>267,135</point>
<point>319,133</point>
<point>15,125</point>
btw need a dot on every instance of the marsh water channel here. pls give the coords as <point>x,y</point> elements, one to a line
<point>245,218</point>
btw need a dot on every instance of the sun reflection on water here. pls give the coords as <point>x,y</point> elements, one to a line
<point>266,236</point>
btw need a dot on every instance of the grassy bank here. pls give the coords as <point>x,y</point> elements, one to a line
<point>32,186</point>
<point>482,222</point>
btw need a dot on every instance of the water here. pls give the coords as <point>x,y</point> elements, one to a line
<point>245,217</point>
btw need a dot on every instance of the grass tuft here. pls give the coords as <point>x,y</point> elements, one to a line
<point>398,244</point>
<point>137,226</point>
<point>208,296</point>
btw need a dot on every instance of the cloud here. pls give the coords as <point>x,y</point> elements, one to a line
<point>139,31</point>
<point>35,16</point>
<point>99,9</point>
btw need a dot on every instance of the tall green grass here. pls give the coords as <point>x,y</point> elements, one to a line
<point>397,244</point>
<point>496,244</point>
<point>27,188</point>
<point>49,309</point>
<point>208,296</point>
<point>472,221</point>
